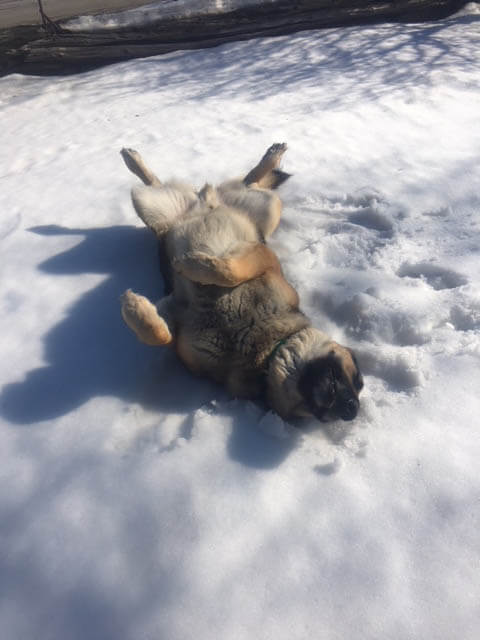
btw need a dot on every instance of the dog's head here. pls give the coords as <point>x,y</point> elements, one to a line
<point>311,375</point>
<point>330,384</point>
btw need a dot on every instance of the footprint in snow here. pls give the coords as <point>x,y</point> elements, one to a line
<point>465,317</point>
<point>369,218</point>
<point>396,369</point>
<point>365,317</point>
<point>329,468</point>
<point>9,224</point>
<point>434,275</point>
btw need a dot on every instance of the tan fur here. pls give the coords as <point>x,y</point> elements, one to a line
<point>142,317</point>
<point>232,315</point>
<point>345,356</point>
<point>261,174</point>
<point>135,163</point>
<point>246,263</point>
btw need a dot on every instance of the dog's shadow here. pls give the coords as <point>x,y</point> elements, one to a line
<point>91,352</point>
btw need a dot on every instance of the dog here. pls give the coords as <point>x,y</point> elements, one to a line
<point>230,313</point>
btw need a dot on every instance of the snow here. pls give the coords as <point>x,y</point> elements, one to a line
<point>148,13</point>
<point>139,502</point>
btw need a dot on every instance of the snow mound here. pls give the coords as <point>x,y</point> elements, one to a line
<point>137,501</point>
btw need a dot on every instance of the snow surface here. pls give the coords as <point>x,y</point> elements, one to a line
<point>148,13</point>
<point>137,502</point>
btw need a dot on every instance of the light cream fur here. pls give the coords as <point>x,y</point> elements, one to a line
<point>143,318</point>
<point>232,315</point>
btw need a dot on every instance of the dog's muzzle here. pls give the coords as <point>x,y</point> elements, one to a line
<point>347,409</point>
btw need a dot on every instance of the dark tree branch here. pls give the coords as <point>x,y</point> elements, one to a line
<point>50,26</point>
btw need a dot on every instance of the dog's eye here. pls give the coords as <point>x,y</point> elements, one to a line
<point>358,381</point>
<point>332,387</point>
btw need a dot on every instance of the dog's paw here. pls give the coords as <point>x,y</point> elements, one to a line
<point>276,149</point>
<point>130,157</point>
<point>273,155</point>
<point>142,317</point>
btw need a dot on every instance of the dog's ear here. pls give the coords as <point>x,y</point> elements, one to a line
<point>317,385</point>
<point>357,379</point>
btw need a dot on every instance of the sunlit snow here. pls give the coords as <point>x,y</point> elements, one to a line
<point>137,501</point>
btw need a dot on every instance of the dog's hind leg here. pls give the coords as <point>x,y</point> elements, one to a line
<point>266,173</point>
<point>254,194</point>
<point>145,320</point>
<point>157,204</point>
<point>262,206</point>
<point>158,207</point>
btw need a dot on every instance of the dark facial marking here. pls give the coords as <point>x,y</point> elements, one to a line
<point>317,386</point>
<point>326,387</point>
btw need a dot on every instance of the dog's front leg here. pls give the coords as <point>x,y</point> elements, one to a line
<point>135,163</point>
<point>145,320</point>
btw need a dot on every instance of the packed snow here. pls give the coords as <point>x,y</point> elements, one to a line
<point>148,13</point>
<point>137,501</point>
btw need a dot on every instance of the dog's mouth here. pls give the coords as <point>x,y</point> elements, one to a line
<point>344,409</point>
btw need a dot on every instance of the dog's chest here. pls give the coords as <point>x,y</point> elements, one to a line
<point>240,324</point>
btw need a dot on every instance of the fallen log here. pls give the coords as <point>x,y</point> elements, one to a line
<point>29,50</point>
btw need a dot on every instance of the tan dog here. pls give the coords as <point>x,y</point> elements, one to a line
<point>231,315</point>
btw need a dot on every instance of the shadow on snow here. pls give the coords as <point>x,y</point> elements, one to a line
<point>92,353</point>
<point>361,62</point>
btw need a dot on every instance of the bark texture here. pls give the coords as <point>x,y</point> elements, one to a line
<point>30,49</point>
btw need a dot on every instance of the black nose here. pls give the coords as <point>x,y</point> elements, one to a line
<point>349,409</point>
